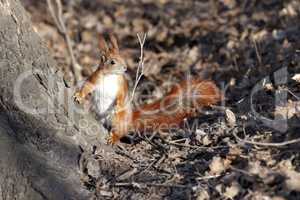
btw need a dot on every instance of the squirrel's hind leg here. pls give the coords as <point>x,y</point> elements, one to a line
<point>113,138</point>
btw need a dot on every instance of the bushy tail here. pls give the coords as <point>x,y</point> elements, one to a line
<point>181,102</point>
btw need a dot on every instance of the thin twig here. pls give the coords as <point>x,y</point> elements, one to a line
<point>146,185</point>
<point>193,146</point>
<point>208,177</point>
<point>127,174</point>
<point>140,68</point>
<point>241,171</point>
<point>257,53</point>
<point>59,21</point>
<point>294,95</point>
<point>270,144</point>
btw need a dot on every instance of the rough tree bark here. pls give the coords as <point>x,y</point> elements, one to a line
<point>39,133</point>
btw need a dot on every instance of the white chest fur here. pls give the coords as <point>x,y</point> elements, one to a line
<point>105,93</point>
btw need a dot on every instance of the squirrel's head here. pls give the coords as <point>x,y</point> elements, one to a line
<point>111,60</point>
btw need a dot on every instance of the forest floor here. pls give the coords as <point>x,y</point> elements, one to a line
<point>244,148</point>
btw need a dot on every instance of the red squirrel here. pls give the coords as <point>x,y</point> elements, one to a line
<point>109,89</point>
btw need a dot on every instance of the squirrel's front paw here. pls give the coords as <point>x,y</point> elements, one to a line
<point>112,139</point>
<point>78,98</point>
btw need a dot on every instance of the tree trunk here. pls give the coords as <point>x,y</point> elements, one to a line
<point>40,129</point>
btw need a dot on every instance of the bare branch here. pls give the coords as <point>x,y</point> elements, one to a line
<point>140,68</point>
<point>193,146</point>
<point>208,177</point>
<point>147,185</point>
<point>270,144</point>
<point>257,53</point>
<point>57,15</point>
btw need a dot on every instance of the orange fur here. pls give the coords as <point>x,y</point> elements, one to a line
<point>177,105</point>
<point>122,116</point>
<point>159,115</point>
<point>88,86</point>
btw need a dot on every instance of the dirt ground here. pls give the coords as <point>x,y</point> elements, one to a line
<point>244,148</point>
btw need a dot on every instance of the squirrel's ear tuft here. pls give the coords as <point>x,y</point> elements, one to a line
<point>114,42</point>
<point>103,45</point>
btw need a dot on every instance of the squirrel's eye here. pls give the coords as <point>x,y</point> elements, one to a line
<point>112,62</point>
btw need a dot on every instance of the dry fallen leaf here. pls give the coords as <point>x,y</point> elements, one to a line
<point>256,168</point>
<point>230,117</point>
<point>232,191</point>
<point>288,111</point>
<point>296,77</point>
<point>203,195</point>
<point>206,140</point>
<point>269,87</point>
<point>292,180</point>
<point>234,153</point>
<point>218,165</point>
